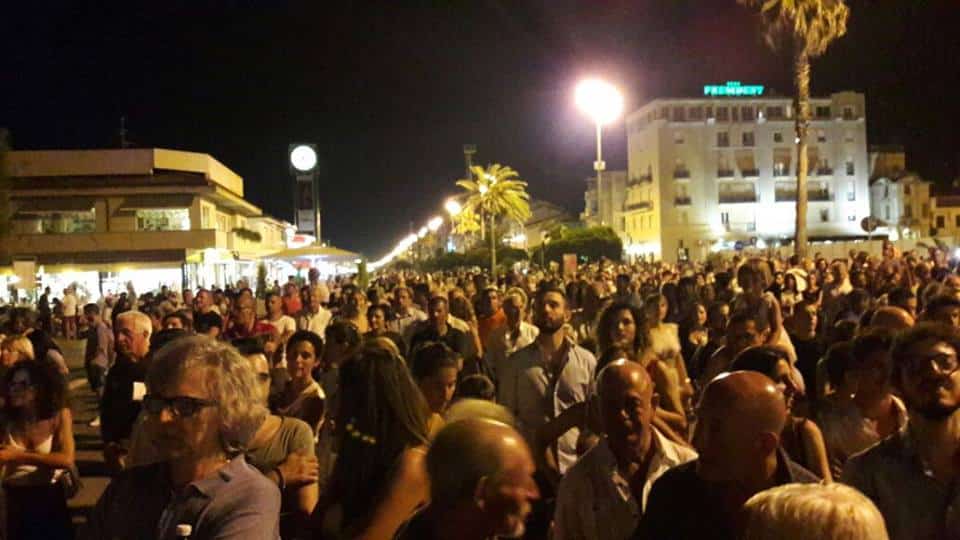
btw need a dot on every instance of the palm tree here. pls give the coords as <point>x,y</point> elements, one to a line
<point>496,191</point>
<point>806,28</point>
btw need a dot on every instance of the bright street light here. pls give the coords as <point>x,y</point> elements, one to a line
<point>600,100</point>
<point>453,207</point>
<point>483,189</point>
<point>422,232</point>
<point>435,223</point>
<point>603,103</point>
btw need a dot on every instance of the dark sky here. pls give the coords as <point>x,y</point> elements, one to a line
<point>389,91</point>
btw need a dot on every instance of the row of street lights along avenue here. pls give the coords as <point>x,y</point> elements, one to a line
<point>598,99</point>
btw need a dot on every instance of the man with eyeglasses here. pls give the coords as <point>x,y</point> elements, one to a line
<point>911,475</point>
<point>203,408</point>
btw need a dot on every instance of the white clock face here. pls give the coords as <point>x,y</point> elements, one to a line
<point>303,158</point>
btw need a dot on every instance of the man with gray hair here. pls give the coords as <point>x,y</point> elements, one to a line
<point>481,484</point>
<point>119,406</point>
<point>202,409</point>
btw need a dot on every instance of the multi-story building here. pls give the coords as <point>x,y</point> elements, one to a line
<point>898,198</point>
<point>608,210</point>
<point>711,172</point>
<point>544,217</point>
<point>102,218</point>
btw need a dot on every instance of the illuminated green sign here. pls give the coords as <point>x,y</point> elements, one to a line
<point>733,88</point>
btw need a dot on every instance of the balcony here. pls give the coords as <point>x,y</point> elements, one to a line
<point>126,241</point>
<point>724,173</point>
<point>750,172</point>
<point>681,174</point>
<point>814,195</point>
<point>642,206</point>
<point>738,197</point>
<point>824,171</point>
<point>681,200</point>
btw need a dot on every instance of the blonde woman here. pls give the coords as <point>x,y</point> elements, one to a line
<point>801,511</point>
<point>14,349</point>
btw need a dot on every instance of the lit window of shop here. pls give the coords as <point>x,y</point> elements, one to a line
<point>166,219</point>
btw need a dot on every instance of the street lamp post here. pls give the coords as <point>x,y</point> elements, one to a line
<point>602,102</point>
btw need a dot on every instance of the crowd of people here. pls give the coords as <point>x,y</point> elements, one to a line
<point>748,397</point>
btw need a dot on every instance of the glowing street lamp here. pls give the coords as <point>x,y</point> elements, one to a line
<point>435,223</point>
<point>602,102</point>
<point>422,232</point>
<point>453,207</point>
<point>483,189</point>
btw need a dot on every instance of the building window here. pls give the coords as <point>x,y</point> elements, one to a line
<point>886,191</point>
<point>906,189</point>
<point>850,168</point>
<point>848,113</point>
<point>723,139</point>
<point>679,114</point>
<point>204,217</point>
<point>777,137</point>
<point>696,113</point>
<point>746,113</point>
<point>678,137</point>
<point>908,211</point>
<point>752,226</point>
<point>825,215</point>
<point>823,112</point>
<point>734,114</point>
<point>65,223</point>
<point>747,138</point>
<point>940,222</point>
<point>956,220</point>
<point>821,136</point>
<point>852,217</point>
<point>725,218</point>
<point>722,114</point>
<point>851,192</point>
<point>708,111</point>
<point>172,219</point>
<point>774,113</point>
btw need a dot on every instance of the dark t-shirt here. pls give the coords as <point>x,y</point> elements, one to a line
<point>118,410</point>
<point>809,352</point>
<point>683,506</point>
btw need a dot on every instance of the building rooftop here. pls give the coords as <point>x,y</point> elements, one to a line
<point>121,162</point>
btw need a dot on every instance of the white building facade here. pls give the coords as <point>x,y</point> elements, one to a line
<point>710,173</point>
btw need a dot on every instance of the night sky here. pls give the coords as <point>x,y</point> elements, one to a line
<point>390,91</point>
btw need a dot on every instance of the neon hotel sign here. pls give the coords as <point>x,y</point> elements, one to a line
<point>733,89</point>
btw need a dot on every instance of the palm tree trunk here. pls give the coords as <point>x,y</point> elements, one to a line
<point>801,77</point>
<point>493,249</point>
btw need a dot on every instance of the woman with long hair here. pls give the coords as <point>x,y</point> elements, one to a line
<point>621,325</point>
<point>693,330</point>
<point>663,357</point>
<point>378,315</point>
<point>37,448</point>
<point>379,479</point>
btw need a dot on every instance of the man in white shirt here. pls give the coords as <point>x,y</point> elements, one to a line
<point>603,495</point>
<point>549,376</point>
<point>406,312</point>
<point>69,314</point>
<point>512,337</point>
<point>314,316</point>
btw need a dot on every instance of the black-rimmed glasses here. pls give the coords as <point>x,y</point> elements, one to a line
<point>179,406</point>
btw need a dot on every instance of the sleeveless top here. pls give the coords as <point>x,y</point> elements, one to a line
<point>28,475</point>
<point>297,407</point>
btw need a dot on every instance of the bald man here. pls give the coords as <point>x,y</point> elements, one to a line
<point>602,496</point>
<point>739,420</point>
<point>481,484</point>
<point>891,318</point>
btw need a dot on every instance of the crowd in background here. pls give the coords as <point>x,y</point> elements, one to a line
<point>752,397</point>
